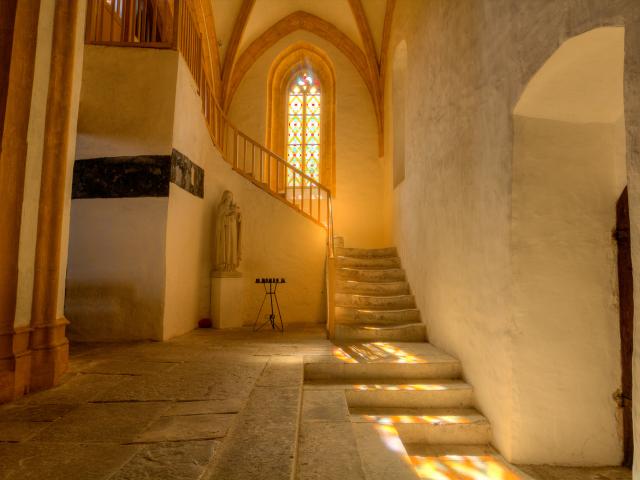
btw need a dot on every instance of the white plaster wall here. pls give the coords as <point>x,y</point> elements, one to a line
<point>452,209</point>
<point>277,241</point>
<point>116,269</point>
<point>126,102</point>
<point>469,62</point>
<point>358,201</point>
<point>121,112</point>
<point>566,342</point>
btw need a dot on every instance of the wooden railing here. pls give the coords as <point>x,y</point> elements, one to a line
<point>248,157</point>
<point>139,23</point>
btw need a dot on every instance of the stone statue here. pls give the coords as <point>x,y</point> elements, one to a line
<point>228,235</point>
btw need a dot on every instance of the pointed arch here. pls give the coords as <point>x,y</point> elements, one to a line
<point>294,58</point>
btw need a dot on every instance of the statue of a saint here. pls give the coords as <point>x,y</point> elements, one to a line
<point>228,235</point>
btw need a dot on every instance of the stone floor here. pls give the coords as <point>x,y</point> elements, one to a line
<point>210,404</point>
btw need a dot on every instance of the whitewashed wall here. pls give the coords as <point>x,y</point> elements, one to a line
<point>469,62</point>
<point>359,171</point>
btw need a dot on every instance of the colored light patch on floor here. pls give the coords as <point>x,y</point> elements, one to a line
<point>391,439</point>
<point>447,467</point>
<point>461,467</point>
<point>340,354</point>
<point>420,419</point>
<point>375,352</point>
<point>409,388</point>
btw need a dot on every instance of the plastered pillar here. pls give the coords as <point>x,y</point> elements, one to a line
<point>14,343</point>
<point>49,345</point>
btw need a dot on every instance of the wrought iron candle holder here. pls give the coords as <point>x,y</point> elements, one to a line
<point>270,291</point>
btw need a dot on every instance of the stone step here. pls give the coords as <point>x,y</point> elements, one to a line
<point>368,263</point>
<point>433,426</point>
<point>366,252</point>
<point>383,275</point>
<point>382,360</point>
<point>452,461</point>
<point>371,302</point>
<point>410,393</point>
<point>389,317</point>
<point>372,288</point>
<point>359,332</point>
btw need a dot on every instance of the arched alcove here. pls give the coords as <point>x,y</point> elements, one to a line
<point>569,170</point>
<point>399,99</point>
<point>302,55</point>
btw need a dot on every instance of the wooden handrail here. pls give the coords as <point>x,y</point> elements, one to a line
<point>247,156</point>
<point>131,23</point>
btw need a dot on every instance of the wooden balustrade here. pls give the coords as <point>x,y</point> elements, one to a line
<point>248,157</point>
<point>139,23</point>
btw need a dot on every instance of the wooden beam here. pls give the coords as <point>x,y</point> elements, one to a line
<point>236,36</point>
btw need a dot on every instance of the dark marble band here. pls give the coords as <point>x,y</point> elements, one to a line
<point>186,174</point>
<point>139,176</point>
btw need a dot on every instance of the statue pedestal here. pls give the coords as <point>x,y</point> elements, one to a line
<point>227,299</point>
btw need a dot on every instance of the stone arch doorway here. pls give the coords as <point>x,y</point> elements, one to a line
<point>569,170</point>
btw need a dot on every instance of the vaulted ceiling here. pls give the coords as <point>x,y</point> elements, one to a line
<point>359,28</point>
<point>265,13</point>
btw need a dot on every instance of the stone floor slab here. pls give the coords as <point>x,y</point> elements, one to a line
<point>328,451</point>
<point>186,428</point>
<point>201,407</point>
<point>34,413</point>
<point>169,461</point>
<point>79,388</point>
<point>281,371</point>
<point>324,406</point>
<point>103,423</point>
<point>20,431</point>
<point>59,462</point>
<point>190,382</point>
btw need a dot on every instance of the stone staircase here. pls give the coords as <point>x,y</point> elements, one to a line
<point>405,400</point>
<point>410,412</point>
<point>373,301</point>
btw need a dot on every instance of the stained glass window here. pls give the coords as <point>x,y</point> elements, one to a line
<point>303,138</point>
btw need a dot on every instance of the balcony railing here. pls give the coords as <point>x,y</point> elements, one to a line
<point>137,23</point>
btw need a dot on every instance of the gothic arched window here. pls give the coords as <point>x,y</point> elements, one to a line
<point>303,121</point>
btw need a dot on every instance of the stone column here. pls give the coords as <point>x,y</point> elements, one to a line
<point>14,353</point>
<point>49,345</point>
